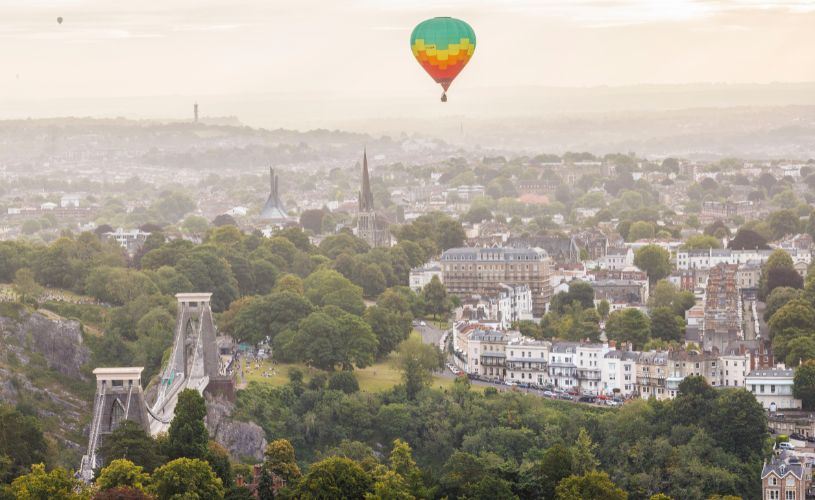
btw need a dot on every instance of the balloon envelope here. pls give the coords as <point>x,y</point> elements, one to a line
<point>59,20</point>
<point>443,46</point>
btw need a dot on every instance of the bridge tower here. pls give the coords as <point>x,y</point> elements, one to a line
<point>118,397</point>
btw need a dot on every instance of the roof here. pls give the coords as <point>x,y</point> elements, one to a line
<point>622,355</point>
<point>783,466</point>
<point>773,373</point>
<point>564,347</point>
<point>493,254</point>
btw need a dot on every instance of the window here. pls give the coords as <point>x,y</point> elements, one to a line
<point>773,481</point>
<point>790,495</point>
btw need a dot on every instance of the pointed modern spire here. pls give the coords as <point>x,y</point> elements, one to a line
<point>366,197</point>
<point>273,209</point>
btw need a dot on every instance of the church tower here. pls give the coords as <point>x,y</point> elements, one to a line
<point>374,230</point>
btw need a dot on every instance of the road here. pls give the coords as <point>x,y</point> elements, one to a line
<point>430,334</point>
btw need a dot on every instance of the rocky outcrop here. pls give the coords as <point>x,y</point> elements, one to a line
<point>244,440</point>
<point>41,358</point>
<point>58,341</point>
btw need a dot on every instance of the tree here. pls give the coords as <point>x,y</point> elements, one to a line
<point>745,434</point>
<point>331,337</point>
<point>26,286</point>
<point>332,478</point>
<point>804,384</point>
<point>187,436</point>
<point>279,459</point>
<point>783,223</point>
<point>778,298</point>
<point>591,486</point>
<point>490,487</point>
<point>579,291</point>
<point>435,297</point>
<point>390,326</point>
<point>603,308</point>
<point>186,478</point>
<point>654,260</point>
<point>783,277</point>
<point>417,361</point>
<point>542,477</point>
<point>312,220</point>
<point>795,319</point>
<point>343,381</point>
<point>129,441</point>
<point>702,242</point>
<point>269,315</point>
<point>628,325</point>
<point>327,281</point>
<point>21,443</point>
<point>122,472</point>
<point>584,458</point>
<point>666,325</point>
<point>640,230</point>
<point>224,220</point>
<point>747,239</point>
<point>123,493</point>
<point>401,462</point>
<point>195,224</point>
<point>208,271</point>
<point>218,458</point>
<point>41,485</point>
<point>800,349</point>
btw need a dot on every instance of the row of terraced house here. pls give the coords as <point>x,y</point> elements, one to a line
<point>598,368</point>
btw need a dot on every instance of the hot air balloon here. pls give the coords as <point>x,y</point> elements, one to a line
<point>443,46</point>
<point>59,20</point>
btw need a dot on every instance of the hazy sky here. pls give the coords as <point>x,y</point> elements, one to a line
<point>114,48</point>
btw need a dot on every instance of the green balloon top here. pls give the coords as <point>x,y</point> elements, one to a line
<point>442,31</point>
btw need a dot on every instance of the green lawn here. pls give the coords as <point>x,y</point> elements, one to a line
<point>379,377</point>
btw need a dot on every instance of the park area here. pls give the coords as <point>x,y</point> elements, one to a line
<point>378,377</point>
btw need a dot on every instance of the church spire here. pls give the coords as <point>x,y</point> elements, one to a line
<point>366,197</point>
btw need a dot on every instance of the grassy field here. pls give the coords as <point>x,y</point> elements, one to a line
<point>379,377</point>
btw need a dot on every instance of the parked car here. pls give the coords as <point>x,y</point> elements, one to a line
<point>567,397</point>
<point>611,402</point>
<point>798,436</point>
<point>587,399</point>
<point>786,446</point>
<point>810,439</point>
<point>549,394</point>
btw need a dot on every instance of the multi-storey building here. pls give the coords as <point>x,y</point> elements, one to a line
<point>562,365</point>
<point>512,303</point>
<point>421,276</point>
<point>733,368</point>
<point>131,240</point>
<point>683,364</point>
<point>723,308</point>
<point>486,353</point>
<point>588,359</point>
<point>713,210</point>
<point>617,258</point>
<point>480,271</point>
<point>707,259</point>
<point>748,275</point>
<point>652,374</point>
<point>773,388</point>
<point>528,361</point>
<point>785,477</point>
<point>621,291</point>
<point>619,373</point>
